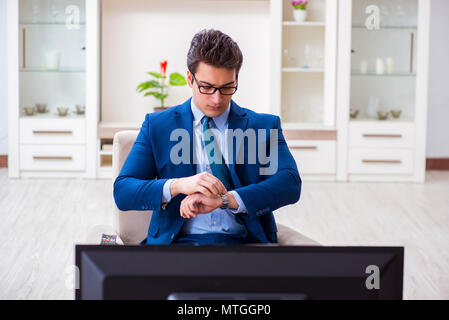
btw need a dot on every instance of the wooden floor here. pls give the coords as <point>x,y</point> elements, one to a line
<point>41,220</point>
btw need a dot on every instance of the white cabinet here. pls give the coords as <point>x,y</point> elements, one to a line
<point>303,72</point>
<point>304,64</point>
<point>53,81</point>
<point>52,145</point>
<point>382,89</point>
<point>348,54</point>
<point>381,149</point>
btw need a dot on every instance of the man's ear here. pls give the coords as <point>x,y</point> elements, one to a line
<point>189,79</point>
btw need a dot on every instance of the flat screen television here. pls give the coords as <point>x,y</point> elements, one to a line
<point>253,272</point>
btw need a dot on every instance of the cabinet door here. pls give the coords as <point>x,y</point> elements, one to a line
<point>314,157</point>
<point>383,60</point>
<point>52,158</point>
<point>381,135</point>
<point>381,161</point>
<point>52,59</point>
<point>52,131</point>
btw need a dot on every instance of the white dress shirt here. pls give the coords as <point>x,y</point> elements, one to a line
<point>218,220</point>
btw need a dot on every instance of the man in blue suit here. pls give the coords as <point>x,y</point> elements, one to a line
<point>195,164</point>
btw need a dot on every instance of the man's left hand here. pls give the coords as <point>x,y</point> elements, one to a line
<point>198,203</point>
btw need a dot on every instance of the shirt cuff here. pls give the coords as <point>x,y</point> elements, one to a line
<point>242,207</point>
<point>166,194</point>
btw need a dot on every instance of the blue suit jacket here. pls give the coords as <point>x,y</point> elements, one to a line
<point>148,166</point>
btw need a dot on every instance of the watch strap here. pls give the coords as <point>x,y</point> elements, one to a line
<point>224,201</point>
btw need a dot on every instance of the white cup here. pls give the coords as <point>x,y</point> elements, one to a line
<point>390,65</point>
<point>363,67</point>
<point>380,68</point>
<point>52,60</point>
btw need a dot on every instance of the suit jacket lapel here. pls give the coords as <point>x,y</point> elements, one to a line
<point>184,120</point>
<point>237,120</point>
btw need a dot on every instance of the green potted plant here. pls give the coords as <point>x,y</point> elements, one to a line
<point>158,87</point>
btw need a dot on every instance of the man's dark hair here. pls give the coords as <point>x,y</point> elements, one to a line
<point>215,48</point>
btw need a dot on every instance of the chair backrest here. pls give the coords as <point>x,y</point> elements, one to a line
<point>131,226</point>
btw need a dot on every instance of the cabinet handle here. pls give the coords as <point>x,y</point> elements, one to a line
<point>305,147</point>
<point>383,161</point>
<point>51,132</point>
<point>366,135</point>
<point>51,158</point>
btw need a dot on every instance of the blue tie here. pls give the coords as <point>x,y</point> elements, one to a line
<point>219,169</point>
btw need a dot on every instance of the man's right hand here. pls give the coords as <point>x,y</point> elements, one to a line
<point>203,182</point>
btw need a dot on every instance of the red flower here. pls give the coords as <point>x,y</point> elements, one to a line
<point>163,67</point>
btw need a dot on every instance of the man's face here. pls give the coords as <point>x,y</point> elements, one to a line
<point>207,75</point>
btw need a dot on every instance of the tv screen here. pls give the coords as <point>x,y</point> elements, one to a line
<point>239,272</point>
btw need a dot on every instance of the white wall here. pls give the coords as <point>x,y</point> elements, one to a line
<point>438,116</point>
<point>138,34</point>
<point>3,81</point>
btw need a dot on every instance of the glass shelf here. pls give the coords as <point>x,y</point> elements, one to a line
<point>389,120</point>
<point>52,115</point>
<point>306,70</point>
<point>60,70</point>
<point>48,23</point>
<point>386,28</point>
<point>373,74</point>
<point>303,24</point>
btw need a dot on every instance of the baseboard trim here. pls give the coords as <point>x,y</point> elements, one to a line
<point>3,161</point>
<point>437,164</point>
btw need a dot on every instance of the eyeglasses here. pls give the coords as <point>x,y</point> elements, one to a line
<point>210,90</point>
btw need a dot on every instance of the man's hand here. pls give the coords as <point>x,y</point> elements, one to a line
<point>203,183</point>
<point>198,203</point>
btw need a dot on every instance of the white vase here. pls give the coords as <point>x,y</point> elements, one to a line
<point>373,107</point>
<point>300,15</point>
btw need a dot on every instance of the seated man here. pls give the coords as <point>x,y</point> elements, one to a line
<point>209,187</point>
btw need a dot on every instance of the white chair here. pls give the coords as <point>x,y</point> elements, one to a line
<point>132,226</point>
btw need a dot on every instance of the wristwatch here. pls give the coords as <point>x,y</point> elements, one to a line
<point>224,201</point>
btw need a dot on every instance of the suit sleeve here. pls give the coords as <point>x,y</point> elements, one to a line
<point>278,190</point>
<point>137,186</point>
